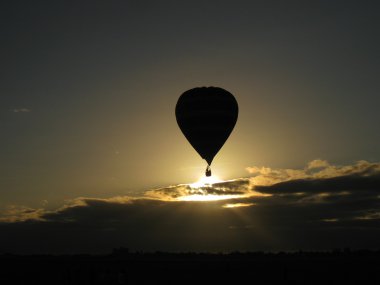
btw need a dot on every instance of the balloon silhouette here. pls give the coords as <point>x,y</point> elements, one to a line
<point>207,116</point>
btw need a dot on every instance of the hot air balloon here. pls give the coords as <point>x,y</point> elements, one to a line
<point>207,116</point>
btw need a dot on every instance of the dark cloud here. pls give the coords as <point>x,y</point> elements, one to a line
<point>351,183</point>
<point>318,207</point>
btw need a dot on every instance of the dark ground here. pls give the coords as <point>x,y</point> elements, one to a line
<point>122,267</point>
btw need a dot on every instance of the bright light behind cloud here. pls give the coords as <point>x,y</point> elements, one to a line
<point>208,197</point>
<point>205,181</point>
<point>237,205</point>
<point>202,194</point>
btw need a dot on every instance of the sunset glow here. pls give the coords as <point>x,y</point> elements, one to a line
<point>237,205</point>
<point>201,192</point>
<point>205,181</point>
<point>130,128</point>
<point>208,197</point>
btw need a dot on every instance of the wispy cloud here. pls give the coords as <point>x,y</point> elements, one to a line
<point>15,213</point>
<point>21,110</point>
<point>316,169</point>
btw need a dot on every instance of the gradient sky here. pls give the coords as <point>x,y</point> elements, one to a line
<point>88,91</point>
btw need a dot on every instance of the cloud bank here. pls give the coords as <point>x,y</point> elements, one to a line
<point>321,206</point>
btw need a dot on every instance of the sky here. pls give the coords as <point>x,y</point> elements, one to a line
<point>89,138</point>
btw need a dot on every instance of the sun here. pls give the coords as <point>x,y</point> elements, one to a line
<point>205,181</point>
<point>204,190</point>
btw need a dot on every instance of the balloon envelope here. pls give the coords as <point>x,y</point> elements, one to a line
<point>207,116</point>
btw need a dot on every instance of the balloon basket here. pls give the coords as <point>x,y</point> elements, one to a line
<point>208,171</point>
